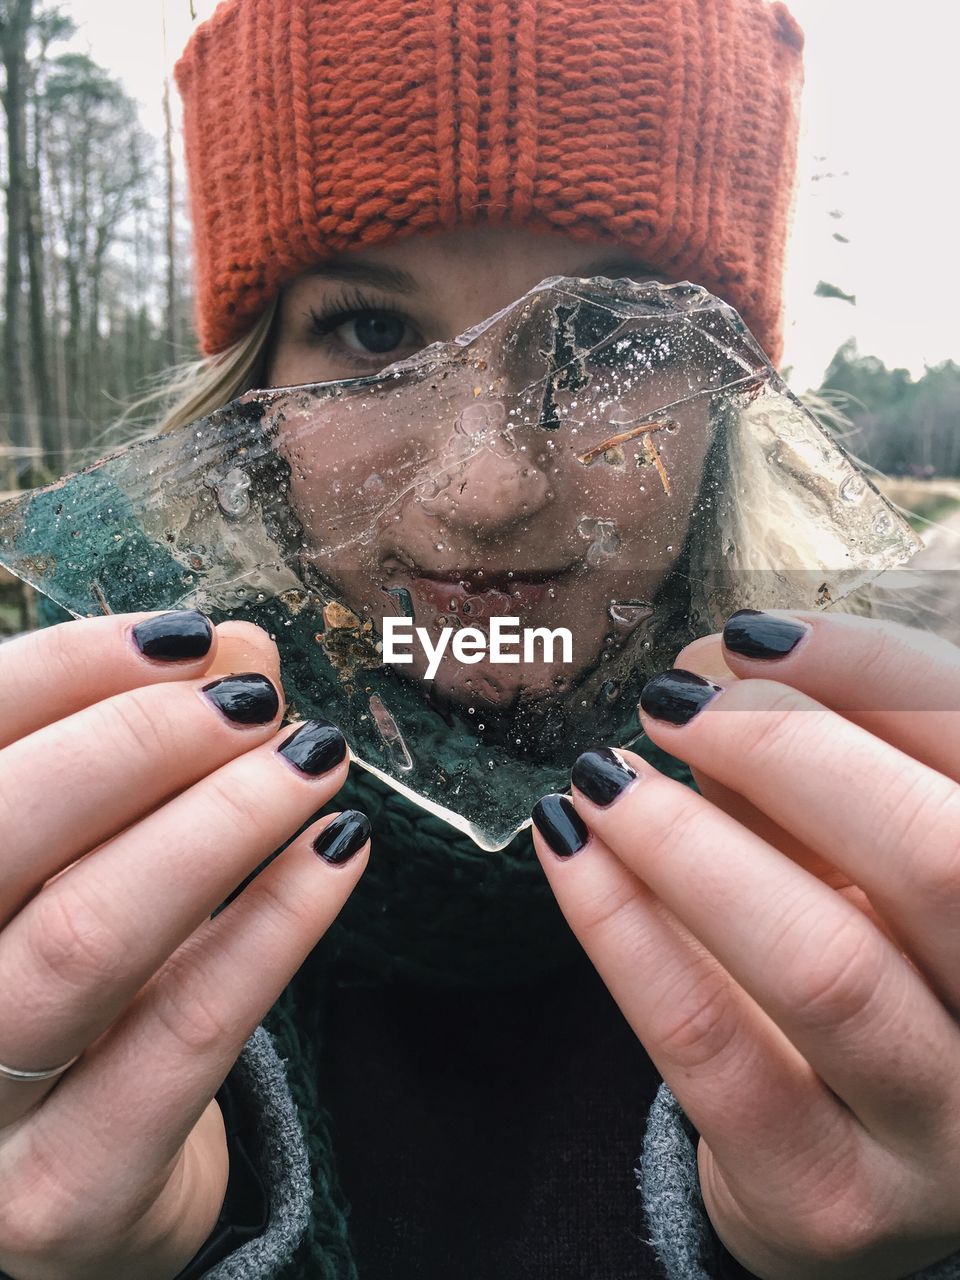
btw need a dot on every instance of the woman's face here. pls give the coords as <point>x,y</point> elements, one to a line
<point>531,533</point>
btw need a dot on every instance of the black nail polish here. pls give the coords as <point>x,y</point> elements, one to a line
<point>315,747</point>
<point>560,825</point>
<point>246,699</point>
<point>601,775</point>
<point>676,696</point>
<point>173,637</point>
<point>343,837</point>
<point>754,634</point>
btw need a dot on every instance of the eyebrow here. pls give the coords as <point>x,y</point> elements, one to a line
<point>398,281</point>
<point>370,273</point>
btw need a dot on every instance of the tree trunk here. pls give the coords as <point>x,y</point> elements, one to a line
<point>17,15</point>
<point>39,357</point>
<point>173,335</point>
<point>57,312</point>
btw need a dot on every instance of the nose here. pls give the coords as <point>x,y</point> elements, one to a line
<point>489,492</point>
<point>492,492</point>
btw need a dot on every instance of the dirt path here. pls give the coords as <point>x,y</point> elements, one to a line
<point>927,592</point>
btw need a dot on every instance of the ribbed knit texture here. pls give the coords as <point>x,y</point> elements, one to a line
<point>434,908</point>
<point>320,126</point>
<point>670,1188</point>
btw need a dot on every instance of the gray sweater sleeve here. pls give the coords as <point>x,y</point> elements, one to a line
<point>679,1228</point>
<point>259,1080</point>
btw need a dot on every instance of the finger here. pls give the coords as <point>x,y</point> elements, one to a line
<point>755,820</point>
<point>899,683</point>
<point>888,822</point>
<point>58,670</point>
<point>72,784</point>
<point>241,646</point>
<point>166,1057</point>
<point>835,986</point>
<point>744,1086</point>
<point>80,950</point>
<point>706,656</point>
<point>749,816</point>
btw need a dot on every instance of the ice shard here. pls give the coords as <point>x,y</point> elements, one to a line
<point>473,561</point>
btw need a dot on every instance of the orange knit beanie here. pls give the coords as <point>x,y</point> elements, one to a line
<point>318,126</point>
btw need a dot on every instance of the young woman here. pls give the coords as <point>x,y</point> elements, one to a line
<point>667,1032</point>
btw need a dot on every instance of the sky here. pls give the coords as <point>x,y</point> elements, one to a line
<point>878,141</point>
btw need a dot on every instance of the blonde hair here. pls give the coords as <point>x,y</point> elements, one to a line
<point>192,390</point>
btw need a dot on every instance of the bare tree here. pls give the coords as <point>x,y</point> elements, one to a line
<point>99,162</point>
<point>49,27</point>
<point>94,258</point>
<point>15,18</point>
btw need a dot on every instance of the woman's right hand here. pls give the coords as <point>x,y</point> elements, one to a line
<point>131,806</point>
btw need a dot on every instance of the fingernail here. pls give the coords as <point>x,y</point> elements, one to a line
<point>601,775</point>
<point>560,825</point>
<point>754,634</point>
<point>343,837</point>
<point>316,747</point>
<point>246,699</point>
<point>676,696</point>
<point>174,637</point>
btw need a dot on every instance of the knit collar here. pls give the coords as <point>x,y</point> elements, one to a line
<point>433,907</point>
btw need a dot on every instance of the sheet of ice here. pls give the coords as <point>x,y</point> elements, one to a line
<point>614,459</point>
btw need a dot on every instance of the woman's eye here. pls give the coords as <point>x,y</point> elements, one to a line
<point>375,332</point>
<point>361,336</point>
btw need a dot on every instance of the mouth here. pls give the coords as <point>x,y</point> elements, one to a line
<point>487,592</point>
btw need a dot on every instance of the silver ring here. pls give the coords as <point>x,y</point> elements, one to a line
<point>11,1073</point>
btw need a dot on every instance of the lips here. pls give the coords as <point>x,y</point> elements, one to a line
<point>487,602</point>
<point>492,591</point>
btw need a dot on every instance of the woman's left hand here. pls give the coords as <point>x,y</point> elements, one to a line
<point>787,944</point>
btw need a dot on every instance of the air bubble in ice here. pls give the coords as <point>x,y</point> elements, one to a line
<point>606,542</point>
<point>233,493</point>
<point>853,488</point>
<point>629,613</point>
<point>480,417</point>
<point>403,598</point>
<point>882,524</point>
<point>390,733</point>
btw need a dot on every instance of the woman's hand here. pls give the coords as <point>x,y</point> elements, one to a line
<point>787,946</point>
<point>141,781</point>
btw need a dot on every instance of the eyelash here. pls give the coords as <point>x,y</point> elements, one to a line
<point>351,305</point>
